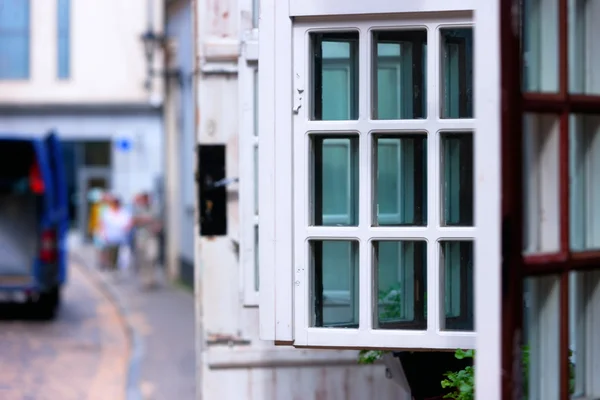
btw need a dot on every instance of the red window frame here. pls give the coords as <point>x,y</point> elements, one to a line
<point>517,266</point>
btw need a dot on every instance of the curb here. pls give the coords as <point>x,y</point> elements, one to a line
<point>133,391</point>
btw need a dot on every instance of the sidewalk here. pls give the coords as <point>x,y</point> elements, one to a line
<point>162,324</point>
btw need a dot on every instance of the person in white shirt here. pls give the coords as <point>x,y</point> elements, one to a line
<point>116,225</point>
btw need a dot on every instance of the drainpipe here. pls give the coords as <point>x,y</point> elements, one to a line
<point>198,282</point>
<point>172,195</point>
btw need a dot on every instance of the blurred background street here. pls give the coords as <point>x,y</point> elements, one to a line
<point>129,210</point>
<point>87,346</point>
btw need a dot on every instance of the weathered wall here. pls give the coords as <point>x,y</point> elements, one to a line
<point>233,363</point>
<point>106,58</point>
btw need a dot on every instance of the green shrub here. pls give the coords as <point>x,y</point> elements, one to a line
<point>370,356</point>
<point>463,381</point>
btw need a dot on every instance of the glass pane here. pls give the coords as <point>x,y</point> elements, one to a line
<point>401,186</point>
<point>14,16</point>
<point>255,104</point>
<point>63,25</point>
<point>255,167</point>
<point>400,62</point>
<point>335,76</point>
<point>457,272</point>
<point>457,175</point>
<point>63,56</point>
<point>540,45</point>
<point>334,283</point>
<point>401,278</point>
<point>584,317</point>
<point>255,13</point>
<point>14,55</point>
<point>256,270</point>
<point>541,351</point>
<point>584,185</point>
<point>457,73</point>
<point>335,181</point>
<point>584,56</point>
<point>541,184</point>
<point>97,153</point>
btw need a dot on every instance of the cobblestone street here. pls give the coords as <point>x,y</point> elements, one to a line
<point>83,354</point>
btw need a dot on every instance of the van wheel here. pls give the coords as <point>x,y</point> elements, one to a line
<point>47,305</point>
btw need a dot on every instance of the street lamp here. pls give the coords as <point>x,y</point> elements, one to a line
<point>152,42</point>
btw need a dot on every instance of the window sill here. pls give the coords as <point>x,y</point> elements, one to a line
<point>233,358</point>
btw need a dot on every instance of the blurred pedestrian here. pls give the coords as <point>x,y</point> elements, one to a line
<point>99,203</point>
<point>116,224</point>
<point>147,227</point>
<point>137,203</point>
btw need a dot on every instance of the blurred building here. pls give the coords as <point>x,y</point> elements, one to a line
<point>179,140</point>
<point>80,67</point>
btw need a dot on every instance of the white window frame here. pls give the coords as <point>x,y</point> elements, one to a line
<point>248,141</point>
<point>365,335</point>
<point>276,194</point>
<point>487,181</point>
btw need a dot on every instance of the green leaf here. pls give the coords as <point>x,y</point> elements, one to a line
<point>369,356</point>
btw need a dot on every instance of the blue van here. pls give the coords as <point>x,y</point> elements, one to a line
<point>33,221</point>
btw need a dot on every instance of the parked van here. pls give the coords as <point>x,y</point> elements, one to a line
<point>33,221</point>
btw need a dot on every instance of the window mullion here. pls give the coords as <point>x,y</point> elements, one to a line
<point>247,182</point>
<point>367,303</point>
<point>435,299</point>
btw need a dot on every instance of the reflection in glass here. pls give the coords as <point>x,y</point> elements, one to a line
<point>256,269</point>
<point>255,103</point>
<point>335,76</point>
<point>457,264</point>
<point>540,45</point>
<point>457,73</point>
<point>255,12</point>
<point>401,276</point>
<point>541,350</point>
<point>63,25</point>
<point>401,185</point>
<point>540,180</point>
<point>335,181</point>
<point>255,166</point>
<point>97,153</point>
<point>334,283</point>
<point>584,54</point>
<point>400,63</point>
<point>584,185</point>
<point>457,173</point>
<point>584,314</point>
<point>15,39</point>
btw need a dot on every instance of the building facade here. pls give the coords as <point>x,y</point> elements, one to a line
<point>233,362</point>
<point>180,140</point>
<point>79,67</point>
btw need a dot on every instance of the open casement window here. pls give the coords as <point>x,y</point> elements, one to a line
<point>382,150</point>
<point>552,200</point>
<point>248,167</point>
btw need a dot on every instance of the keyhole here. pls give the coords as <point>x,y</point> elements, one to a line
<point>208,208</point>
